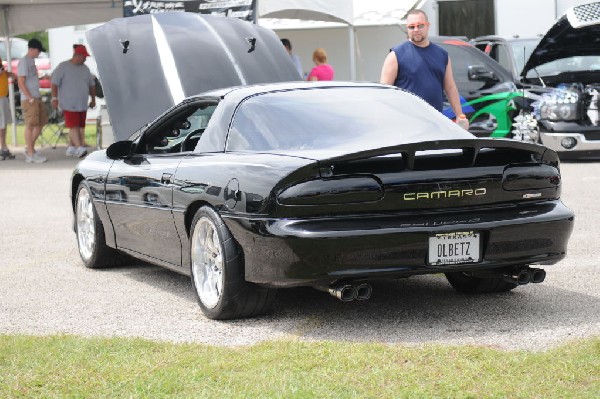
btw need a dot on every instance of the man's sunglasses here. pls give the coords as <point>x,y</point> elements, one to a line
<point>415,26</point>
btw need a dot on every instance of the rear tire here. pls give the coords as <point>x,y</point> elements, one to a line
<point>217,271</point>
<point>464,282</point>
<point>93,250</point>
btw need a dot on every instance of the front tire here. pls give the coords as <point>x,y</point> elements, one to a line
<point>217,272</point>
<point>90,233</point>
<point>466,283</point>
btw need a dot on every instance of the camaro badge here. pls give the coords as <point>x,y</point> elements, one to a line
<point>444,194</point>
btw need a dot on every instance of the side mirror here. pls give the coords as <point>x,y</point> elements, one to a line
<point>119,150</point>
<point>481,73</point>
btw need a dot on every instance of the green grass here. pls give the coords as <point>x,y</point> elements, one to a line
<point>90,135</point>
<point>67,366</point>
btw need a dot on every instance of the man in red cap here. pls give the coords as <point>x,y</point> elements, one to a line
<point>72,84</point>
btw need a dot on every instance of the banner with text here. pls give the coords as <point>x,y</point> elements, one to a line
<point>242,9</point>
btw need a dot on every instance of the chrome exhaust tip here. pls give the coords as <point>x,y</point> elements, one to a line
<point>345,292</point>
<point>363,291</point>
<point>523,277</point>
<point>538,275</point>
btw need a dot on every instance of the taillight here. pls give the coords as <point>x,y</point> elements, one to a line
<point>332,191</point>
<point>530,177</point>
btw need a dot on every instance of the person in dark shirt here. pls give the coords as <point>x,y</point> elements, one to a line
<point>422,67</point>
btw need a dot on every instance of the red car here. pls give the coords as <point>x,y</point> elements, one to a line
<point>18,49</point>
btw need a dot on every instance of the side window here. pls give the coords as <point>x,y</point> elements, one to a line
<point>461,60</point>
<point>493,51</point>
<point>198,123</point>
<point>481,46</point>
<point>180,131</point>
<point>503,57</point>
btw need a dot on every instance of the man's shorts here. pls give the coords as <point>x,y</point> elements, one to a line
<point>5,117</point>
<point>75,118</point>
<point>34,113</point>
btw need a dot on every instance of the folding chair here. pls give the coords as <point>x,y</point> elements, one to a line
<point>56,127</point>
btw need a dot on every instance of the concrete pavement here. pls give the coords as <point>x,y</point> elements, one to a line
<point>44,288</point>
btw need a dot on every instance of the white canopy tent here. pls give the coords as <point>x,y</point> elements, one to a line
<point>23,16</point>
<point>316,10</point>
<point>304,14</point>
<point>341,11</point>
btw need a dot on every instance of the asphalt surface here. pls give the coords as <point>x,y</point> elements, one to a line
<point>44,288</point>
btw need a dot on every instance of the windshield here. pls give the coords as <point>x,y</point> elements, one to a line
<point>341,118</point>
<point>522,50</point>
<point>570,64</point>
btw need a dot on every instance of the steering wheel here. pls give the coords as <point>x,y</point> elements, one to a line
<point>196,134</point>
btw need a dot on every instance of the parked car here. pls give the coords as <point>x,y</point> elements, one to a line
<point>18,50</point>
<point>510,52</point>
<point>487,90</point>
<point>255,187</point>
<point>561,76</point>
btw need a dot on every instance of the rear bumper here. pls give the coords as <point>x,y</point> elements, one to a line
<point>319,251</point>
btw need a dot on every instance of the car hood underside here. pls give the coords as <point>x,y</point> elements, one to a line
<point>576,33</point>
<point>149,63</point>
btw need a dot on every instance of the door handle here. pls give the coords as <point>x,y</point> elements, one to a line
<point>166,178</point>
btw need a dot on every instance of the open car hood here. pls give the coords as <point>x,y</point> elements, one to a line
<point>149,63</point>
<point>576,33</point>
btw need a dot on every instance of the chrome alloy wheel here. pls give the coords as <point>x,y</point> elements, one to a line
<point>86,227</point>
<point>207,262</point>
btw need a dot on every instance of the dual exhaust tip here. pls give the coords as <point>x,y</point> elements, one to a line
<point>350,292</point>
<point>528,275</point>
<point>361,292</point>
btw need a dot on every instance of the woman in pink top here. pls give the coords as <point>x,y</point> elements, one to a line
<point>322,70</point>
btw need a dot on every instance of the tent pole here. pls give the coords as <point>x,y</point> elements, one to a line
<point>352,52</point>
<point>11,91</point>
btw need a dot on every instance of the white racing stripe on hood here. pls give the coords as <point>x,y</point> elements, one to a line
<point>238,70</point>
<point>167,61</point>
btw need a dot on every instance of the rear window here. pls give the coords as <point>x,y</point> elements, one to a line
<point>334,118</point>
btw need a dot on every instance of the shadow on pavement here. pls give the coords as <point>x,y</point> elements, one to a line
<point>57,159</point>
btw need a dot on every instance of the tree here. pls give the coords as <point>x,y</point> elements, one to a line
<point>41,36</point>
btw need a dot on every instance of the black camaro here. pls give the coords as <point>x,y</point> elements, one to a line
<point>331,184</point>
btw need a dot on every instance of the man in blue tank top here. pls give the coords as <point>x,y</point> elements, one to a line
<point>422,67</point>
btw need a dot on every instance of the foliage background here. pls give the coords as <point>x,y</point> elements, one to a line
<point>41,36</point>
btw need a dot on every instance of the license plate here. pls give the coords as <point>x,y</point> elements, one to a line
<point>454,248</point>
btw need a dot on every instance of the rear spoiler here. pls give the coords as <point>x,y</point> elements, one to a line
<point>406,157</point>
<point>471,149</point>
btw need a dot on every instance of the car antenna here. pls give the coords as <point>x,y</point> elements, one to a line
<point>523,80</point>
<point>518,120</point>
<point>535,69</point>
